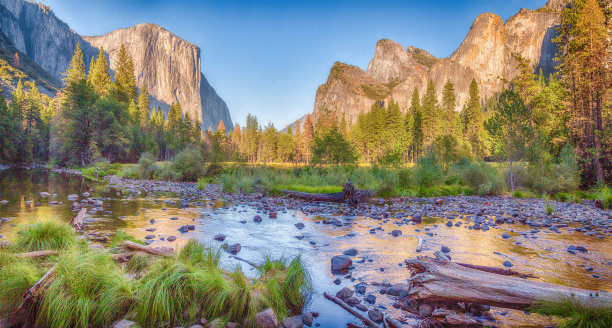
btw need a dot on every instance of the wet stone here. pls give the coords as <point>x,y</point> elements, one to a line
<point>445,249</point>
<point>507,264</point>
<point>344,293</point>
<point>350,252</point>
<point>375,315</point>
<point>396,233</point>
<point>257,218</point>
<point>220,237</point>
<point>341,263</point>
<point>234,248</point>
<point>400,290</point>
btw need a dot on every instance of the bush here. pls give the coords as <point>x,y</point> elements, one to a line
<point>88,290</point>
<point>189,164</point>
<point>481,177</point>
<point>428,173</point>
<point>44,236</point>
<point>146,168</point>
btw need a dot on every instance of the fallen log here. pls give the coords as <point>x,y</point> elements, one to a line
<point>122,257</point>
<point>352,311</point>
<point>439,281</point>
<point>253,264</point>
<point>78,221</point>
<point>349,194</point>
<point>146,249</point>
<point>496,270</point>
<point>36,254</point>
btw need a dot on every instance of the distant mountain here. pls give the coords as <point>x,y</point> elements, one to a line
<point>486,55</point>
<point>167,65</point>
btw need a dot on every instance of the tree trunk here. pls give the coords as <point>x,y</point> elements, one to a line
<point>439,281</point>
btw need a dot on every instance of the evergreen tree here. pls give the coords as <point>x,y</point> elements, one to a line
<point>473,129</point>
<point>98,75</point>
<point>417,125</point>
<point>251,138</point>
<point>308,138</point>
<point>269,144</point>
<point>125,81</point>
<point>144,106</point>
<point>134,112</point>
<point>332,148</point>
<point>451,123</point>
<point>430,115</point>
<point>76,68</point>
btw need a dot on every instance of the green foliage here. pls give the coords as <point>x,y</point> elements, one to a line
<point>604,195</point>
<point>575,314</point>
<point>549,208</point>
<point>88,290</point>
<point>49,235</point>
<point>483,178</point>
<point>189,164</point>
<point>428,172</point>
<point>120,237</point>
<point>17,275</point>
<point>332,148</point>
<point>312,189</point>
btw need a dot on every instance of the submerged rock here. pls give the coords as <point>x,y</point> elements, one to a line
<point>341,263</point>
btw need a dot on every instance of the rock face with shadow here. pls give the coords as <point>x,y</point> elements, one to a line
<point>167,65</point>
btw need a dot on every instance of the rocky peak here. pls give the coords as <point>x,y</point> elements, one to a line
<point>423,57</point>
<point>556,5</point>
<point>390,63</point>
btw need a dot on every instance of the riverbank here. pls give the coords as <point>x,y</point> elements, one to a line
<point>569,247</point>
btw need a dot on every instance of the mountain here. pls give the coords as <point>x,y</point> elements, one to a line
<point>167,65</point>
<point>487,54</point>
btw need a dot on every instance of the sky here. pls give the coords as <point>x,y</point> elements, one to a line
<point>268,57</point>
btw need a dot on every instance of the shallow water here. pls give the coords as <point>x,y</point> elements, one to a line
<point>380,255</point>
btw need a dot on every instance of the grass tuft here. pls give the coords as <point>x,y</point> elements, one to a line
<point>16,277</point>
<point>88,290</point>
<point>120,237</point>
<point>574,314</point>
<point>49,235</point>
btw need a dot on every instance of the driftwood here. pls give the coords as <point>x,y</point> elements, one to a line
<point>420,245</point>
<point>352,311</point>
<point>78,221</point>
<point>146,249</point>
<point>496,270</point>
<point>349,194</point>
<point>122,257</point>
<point>36,254</point>
<point>30,298</point>
<point>439,281</point>
<point>253,264</point>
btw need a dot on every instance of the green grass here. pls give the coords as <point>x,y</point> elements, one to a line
<point>549,208</point>
<point>49,235</point>
<point>604,195</point>
<point>312,189</point>
<point>120,237</point>
<point>17,275</point>
<point>574,314</point>
<point>88,290</point>
<point>103,169</point>
<point>138,263</point>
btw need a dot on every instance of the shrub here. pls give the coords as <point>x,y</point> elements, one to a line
<point>146,168</point>
<point>49,235</point>
<point>604,196</point>
<point>189,164</point>
<point>549,208</point>
<point>575,314</point>
<point>428,173</point>
<point>17,275</point>
<point>482,177</point>
<point>88,290</point>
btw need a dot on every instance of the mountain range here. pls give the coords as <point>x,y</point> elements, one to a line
<point>168,66</point>
<point>489,54</point>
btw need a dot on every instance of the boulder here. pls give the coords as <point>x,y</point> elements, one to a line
<point>400,290</point>
<point>267,319</point>
<point>341,263</point>
<point>293,322</point>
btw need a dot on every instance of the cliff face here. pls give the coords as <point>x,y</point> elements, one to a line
<point>167,65</point>
<point>487,54</point>
<point>34,30</point>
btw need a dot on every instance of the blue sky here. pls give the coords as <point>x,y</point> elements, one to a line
<point>268,57</point>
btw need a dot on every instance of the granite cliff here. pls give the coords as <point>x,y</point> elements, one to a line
<point>487,54</point>
<point>167,65</point>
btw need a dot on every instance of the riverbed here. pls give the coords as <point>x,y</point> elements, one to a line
<point>493,231</point>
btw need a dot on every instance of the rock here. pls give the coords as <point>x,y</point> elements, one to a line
<point>341,263</point>
<point>267,319</point>
<point>220,237</point>
<point>361,307</point>
<point>360,288</point>
<point>217,323</point>
<point>125,324</point>
<point>449,223</point>
<point>273,215</point>
<point>370,299</point>
<point>307,319</point>
<point>396,233</point>
<point>44,194</point>
<point>344,293</point>
<point>184,229</point>
<point>375,315</point>
<point>171,238</point>
<point>73,197</point>
<point>293,322</point>
<point>445,249</point>
<point>425,310</point>
<point>299,225</point>
<point>507,264</point>
<point>400,290</point>
<point>86,194</point>
<point>174,218</point>
<point>231,325</point>
<point>505,235</point>
<point>350,252</point>
<point>352,301</point>
<point>197,326</point>
<point>234,248</point>
<point>257,218</point>
<point>149,236</point>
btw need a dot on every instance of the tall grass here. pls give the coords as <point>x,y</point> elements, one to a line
<point>88,290</point>
<point>575,314</point>
<point>17,275</point>
<point>120,237</point>
<point>49,235</point>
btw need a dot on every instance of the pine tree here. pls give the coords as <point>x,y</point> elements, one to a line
<point>134,113</point>
<point>430,114</point>
<point>144,106</point>
<point>473,121</point>
<point>125,81</point>
<point>417,125</point>
<point>308,138</point>
<point>76,68</point>
<point>98,75</point>
<point>451,123</point>
<point>251,138</point>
